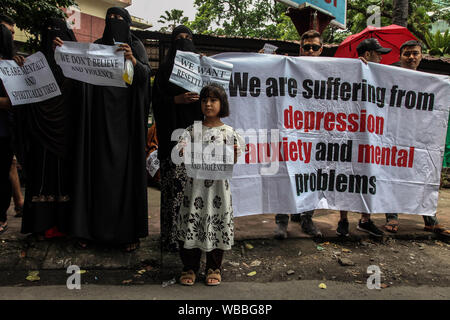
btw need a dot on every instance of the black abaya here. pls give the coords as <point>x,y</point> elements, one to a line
<point>42,143</point>
<point>110,190</point>
<point>169,117</point>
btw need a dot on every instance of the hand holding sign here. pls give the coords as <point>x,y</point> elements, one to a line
<point>128,53</point>
<point>186,98</point>
<point>20,60</point>
<point>57,42</point>
<point>269,49</point>
<point>32,82</point>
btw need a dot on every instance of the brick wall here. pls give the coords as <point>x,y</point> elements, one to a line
<point>91,28</point>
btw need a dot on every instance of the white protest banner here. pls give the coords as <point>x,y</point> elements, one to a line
<point>321,137</point>
<point>269,48</point>
<point>153,163</point>
<point>193,73</point>
<point>92,63</point>
<point>33,82</point>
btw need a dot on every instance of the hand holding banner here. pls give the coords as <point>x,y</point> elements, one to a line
<point>269,48</point>
<point>33,82</point>
<point>192,72</point>
<point>92,63</point>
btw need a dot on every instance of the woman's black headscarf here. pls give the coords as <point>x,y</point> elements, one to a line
<point>117,30</point>
<point>6,43</point>
<point>180,44</point>
<point>55,27</point>
<point>168,115</point>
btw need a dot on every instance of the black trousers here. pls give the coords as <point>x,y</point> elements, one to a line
<point>191,258</point>
<point>6,156</point>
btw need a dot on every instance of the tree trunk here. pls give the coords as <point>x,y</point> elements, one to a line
<point>400,12</point>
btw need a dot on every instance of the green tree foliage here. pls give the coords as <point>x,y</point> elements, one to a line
<point>244,18</point>
<point>267,19</point>
<point>173,18</point>
<point>421,14</point>
<point>438,43</point>
<point>29,15</point>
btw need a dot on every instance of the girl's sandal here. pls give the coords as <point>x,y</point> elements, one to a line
<point>187,278</point>
<point>213,275</point>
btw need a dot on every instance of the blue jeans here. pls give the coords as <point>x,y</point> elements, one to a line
<point>284,218</point>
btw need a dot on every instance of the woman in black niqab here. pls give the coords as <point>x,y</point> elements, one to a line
<point>110,189</point>
<point>43,136</point>
<point>173,108</point>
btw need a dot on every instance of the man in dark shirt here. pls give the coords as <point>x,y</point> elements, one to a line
<point>369,50</point>
<point>410,58</point>
<point>311,45</point>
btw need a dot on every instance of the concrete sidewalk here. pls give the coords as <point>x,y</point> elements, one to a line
<point>263,225</point>
<point>18,251</point>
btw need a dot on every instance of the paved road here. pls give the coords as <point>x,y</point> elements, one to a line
<point>286,290</point>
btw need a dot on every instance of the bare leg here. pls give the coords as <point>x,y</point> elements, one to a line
<point>15,183</point>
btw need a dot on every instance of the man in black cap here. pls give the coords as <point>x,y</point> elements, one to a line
<point>370,50</point>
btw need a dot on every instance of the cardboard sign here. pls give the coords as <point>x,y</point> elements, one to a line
<point>92,63</point>
<point>33,82</point>
<point>193,73</point>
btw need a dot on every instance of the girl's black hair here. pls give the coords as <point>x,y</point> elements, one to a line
<point>215,90</point>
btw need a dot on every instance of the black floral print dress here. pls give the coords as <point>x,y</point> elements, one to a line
<point>205,219</point>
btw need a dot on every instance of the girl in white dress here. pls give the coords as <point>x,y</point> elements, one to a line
<point>205,219</point>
